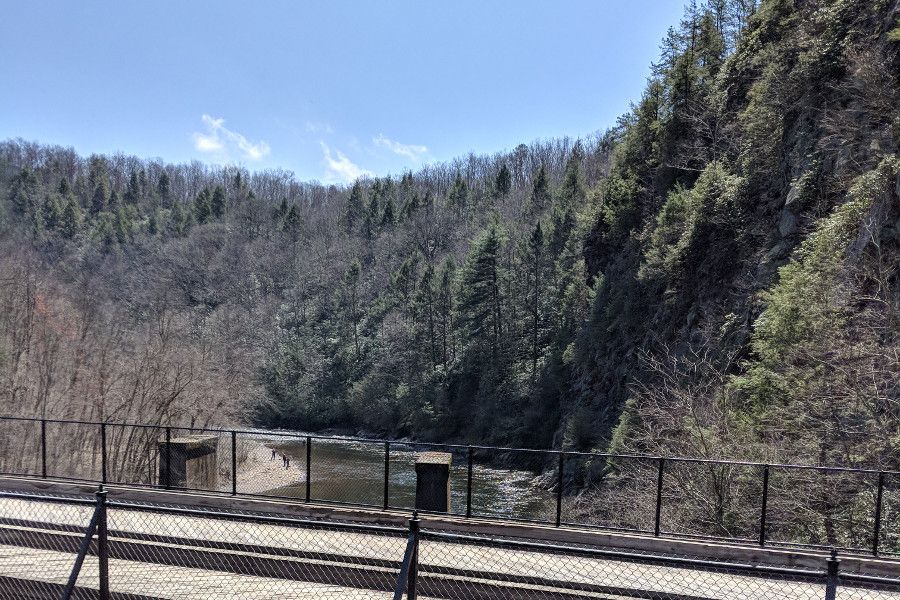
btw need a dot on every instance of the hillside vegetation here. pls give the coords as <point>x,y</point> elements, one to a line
<point>716,275</point>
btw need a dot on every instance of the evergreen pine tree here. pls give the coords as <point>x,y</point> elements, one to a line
<point>114,201</point>
<point>163,188</point>
<point>142,183</point>
<point>444,301</point>
<point>81,191</point>
<point>98,183</point>
<point>479,300</point>
<point>23,195</point>
<point>179,222</point>
<point>562,220</point>
<point>280,213</point>
<point>104,233</point>
<point>153,223</point>
<point>52,211</point>
<point>368,228</point>
<point>218,202</point>
<point>122,226</point>
<point>133,189</point>
<point>355,207</point>
<point>71,218</point>
<point>292,222</point>
<point>99,198</point>
<point>411,207</point>
<point>351,282</point>
<point>459,194</point>
<point>387,217</point>
<point>539,198</point>
<point>425,299</point>
<point>202,206</point>
<point>571,192</point>
<point>534,260</point>
<point>374,206</point>
<point>503,182</point>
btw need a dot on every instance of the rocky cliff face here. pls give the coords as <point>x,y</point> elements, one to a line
<point>736,186</point>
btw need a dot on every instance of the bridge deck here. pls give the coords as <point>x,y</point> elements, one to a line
<point>176,556</point>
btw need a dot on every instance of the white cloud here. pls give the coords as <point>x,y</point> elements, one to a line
<point>340,168</point>
<point>318,127</point>
<point>414,152</point>
<point>220,139</point>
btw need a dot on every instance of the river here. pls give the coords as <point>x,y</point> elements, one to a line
<point>353,472</point>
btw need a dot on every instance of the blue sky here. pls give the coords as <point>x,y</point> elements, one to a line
<point>328,89</point>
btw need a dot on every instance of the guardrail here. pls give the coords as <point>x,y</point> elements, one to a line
<point>853,509</point>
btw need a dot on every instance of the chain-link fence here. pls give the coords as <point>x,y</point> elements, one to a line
<point>77,547</point>
<point>750,503</point>
<point>55,547</point>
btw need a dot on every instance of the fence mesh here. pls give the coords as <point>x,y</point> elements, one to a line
<point>158,551</point>
<point>38,544</point>
<point>460,567</point>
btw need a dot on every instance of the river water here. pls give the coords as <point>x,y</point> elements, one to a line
<point>353,472</point>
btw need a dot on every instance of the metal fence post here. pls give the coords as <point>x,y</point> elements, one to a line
<point>765,500</point>
<point>831,583</point>
<point>308,467</point>
<point>387,472</point>
<point>168,458</point>
<point>414,562</point>
<point>234,463</point>
<point>469,484</point>
<point>659,490</point>
<point>559,488</point>
<point>103,452</point>
<point>876,534</point>
<point>102,545</point>
<point>82,552</point>
<point>44,448</point>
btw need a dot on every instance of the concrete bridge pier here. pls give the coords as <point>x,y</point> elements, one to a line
<point>433,481</point>
<point>189,461</point>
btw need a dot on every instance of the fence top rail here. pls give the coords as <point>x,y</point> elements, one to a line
<point>48,499</point>
<point>261,519</point>
<point>623,556</point>
<point>464,447</point>
<point>873,580</point>
<point>208,514</point>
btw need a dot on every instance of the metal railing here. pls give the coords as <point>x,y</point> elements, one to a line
<point>853,509</point>
<point>131,550</point>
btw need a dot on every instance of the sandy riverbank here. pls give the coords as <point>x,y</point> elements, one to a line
<point>258,473</point>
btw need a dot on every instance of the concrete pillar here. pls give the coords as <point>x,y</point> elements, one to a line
<point>193,462</point>
<point>433,481</point>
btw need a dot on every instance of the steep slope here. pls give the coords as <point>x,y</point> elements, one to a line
<point>748,246</point>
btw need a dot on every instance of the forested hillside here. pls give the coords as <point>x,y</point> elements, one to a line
<point>716,275</point>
